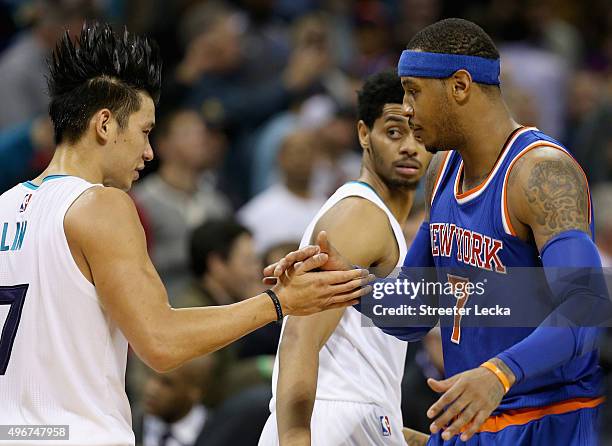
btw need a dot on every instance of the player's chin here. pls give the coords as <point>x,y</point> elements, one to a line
<point>405,181</point>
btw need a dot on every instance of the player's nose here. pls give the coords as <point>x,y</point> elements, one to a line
<point>148,154</point>
<point>407,108</point>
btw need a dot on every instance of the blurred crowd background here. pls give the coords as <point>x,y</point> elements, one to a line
<point>256,128</point>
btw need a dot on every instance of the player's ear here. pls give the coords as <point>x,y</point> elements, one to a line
<point>103,123</point>
<point>461,85</point>
<point>364,133</point>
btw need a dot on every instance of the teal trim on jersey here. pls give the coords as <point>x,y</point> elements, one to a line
<point>33,186</point>
<point>363,183</point>
<point>30,185</point>
<point>50,177</point>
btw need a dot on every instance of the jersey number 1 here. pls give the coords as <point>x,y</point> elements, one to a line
<point>14,296</point>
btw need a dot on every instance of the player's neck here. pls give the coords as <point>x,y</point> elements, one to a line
<point>185,180</point>
<point>483,143</point>
<point>398,200</point>
<point>70,161</point>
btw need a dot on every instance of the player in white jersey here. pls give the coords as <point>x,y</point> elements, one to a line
<point>76,283</point>
<point>335,381</point>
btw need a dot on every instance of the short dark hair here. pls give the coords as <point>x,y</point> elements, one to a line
<point>379,89</point>
<point>455,36</point>
<point>215,236</point>
<point>100,70</point>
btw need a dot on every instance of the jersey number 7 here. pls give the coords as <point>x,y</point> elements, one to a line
<point>459,286</point>
<point>14,296</point>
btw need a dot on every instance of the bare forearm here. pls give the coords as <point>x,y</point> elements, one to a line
<point>190,332</point>
<point>296,391</point>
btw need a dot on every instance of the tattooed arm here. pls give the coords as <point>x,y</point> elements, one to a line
<point>547,195</point>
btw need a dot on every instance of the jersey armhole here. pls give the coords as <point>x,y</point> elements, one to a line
<point>71,263</point>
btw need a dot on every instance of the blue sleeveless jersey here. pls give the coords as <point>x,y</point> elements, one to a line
<point>471,233</point>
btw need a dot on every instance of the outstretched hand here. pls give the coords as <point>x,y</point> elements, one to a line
<point>302,291</point>
<point>468,400</point>
<point>333,261</point>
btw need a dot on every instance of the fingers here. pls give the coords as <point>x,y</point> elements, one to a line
<point>314,262</point>
<point>451,395</point>
<point>269,270</point>
<point>269,280</point>
<point>322,241</point>
<point>348,303</point>
<point>480,418</point>
<point>453,409</point>
<point>441,385</point>
<point>293,257</point>
<point>348,299</point>
<point>351,285</point>
<point>338,277</point>
<point>466,413</point>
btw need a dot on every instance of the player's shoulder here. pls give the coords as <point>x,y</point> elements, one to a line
<point>544,163</point>
<point>101,206</point>
<point>356,210</point>
<point>357,219</point>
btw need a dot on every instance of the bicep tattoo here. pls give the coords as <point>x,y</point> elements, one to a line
<point>557,196</point>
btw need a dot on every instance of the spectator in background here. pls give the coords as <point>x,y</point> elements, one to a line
<point>375,50</point>
<point>181,194</point>
<point>311,31</point>
<point>173,411</point>
<point>224,267</point>
<point>223,263</point>
<point>338,162</point>
<point>602,202</point>
<point>23,64</point>
<point>24,150</point>
<point>282,212</point>
<point>214,79</point>
<point>593,138</point>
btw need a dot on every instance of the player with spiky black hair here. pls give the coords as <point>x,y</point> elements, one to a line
<point>76,282</point>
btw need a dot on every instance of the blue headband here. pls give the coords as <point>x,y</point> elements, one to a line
<point>440,66</point>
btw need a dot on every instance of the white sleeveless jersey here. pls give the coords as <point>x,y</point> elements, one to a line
<point>358,362</point>
<point>62,360</point>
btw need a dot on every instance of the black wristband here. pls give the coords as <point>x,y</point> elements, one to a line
<point>277,305</point>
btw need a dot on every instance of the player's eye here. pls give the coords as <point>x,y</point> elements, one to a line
<point>394,133</point>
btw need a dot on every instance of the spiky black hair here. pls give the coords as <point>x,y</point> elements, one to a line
<point>379,89</point>
<point>455,36</point>
<point>100,70</point>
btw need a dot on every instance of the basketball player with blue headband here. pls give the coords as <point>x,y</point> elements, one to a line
<point>499,195</point>
<point>518,196</point>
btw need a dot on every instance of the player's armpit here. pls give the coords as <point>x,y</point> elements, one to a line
<point>548,193</point>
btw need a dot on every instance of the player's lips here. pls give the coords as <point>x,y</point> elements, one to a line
<point>408,167</point>
<point>136,174</point>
